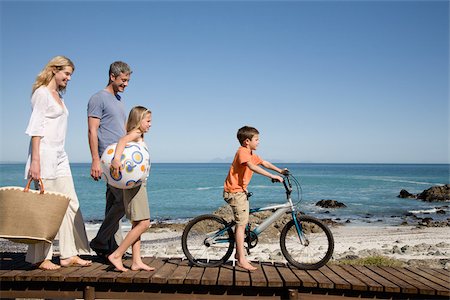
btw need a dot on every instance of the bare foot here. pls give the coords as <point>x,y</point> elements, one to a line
<point>117,262</point>
<point>141,266</point>
<point>75,261</point>
<point>48,265</point>
<point>246,265</point>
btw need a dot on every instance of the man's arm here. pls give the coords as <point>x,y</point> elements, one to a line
<point>93,125</point>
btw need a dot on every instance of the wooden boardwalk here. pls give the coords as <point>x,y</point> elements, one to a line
<point>176,279</point>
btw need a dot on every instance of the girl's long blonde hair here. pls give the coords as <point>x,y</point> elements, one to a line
<point>137,114</point>
<point>46,75</point>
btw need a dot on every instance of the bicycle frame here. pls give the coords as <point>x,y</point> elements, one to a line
<point>280,209</point>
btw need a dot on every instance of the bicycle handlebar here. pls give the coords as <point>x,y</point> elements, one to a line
<point>288,185</point>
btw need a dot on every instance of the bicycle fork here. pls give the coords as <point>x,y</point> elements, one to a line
<point>300,234</point>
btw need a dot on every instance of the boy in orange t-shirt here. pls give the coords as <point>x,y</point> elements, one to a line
<point>235,187</point>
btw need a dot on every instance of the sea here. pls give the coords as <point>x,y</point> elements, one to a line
<point>180,191</point>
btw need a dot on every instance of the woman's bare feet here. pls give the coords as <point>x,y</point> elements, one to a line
<point>75,261</point>
<point>117,262</point>
<point>48,265</point>
<point>141,266</point>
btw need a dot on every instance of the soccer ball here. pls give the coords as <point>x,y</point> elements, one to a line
<point>135,162</point>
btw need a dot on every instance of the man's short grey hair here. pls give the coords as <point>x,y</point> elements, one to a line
<point>118,67</point>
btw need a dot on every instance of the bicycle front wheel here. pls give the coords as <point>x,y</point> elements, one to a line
<point>207,241</point>
<point>313,250</point>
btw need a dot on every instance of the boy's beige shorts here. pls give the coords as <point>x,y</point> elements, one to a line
<point>240,206</point>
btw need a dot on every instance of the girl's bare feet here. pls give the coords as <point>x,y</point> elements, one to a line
<point>47,265</point>
<point>117,262</point>
<point>141,266</point>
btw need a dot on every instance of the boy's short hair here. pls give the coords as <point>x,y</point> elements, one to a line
<point>246,132</point>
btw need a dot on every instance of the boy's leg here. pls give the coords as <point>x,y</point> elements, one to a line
<point>240,206</point>
<point>240,248</point>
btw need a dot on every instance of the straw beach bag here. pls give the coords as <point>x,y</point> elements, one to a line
<point>31,216</point>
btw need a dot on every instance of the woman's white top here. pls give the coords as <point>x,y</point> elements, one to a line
<point>49,121</point>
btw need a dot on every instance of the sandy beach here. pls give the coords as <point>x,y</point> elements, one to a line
<point>414,246</point>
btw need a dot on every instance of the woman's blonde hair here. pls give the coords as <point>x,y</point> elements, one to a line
<point>137,114</point>
<point>46,75</point>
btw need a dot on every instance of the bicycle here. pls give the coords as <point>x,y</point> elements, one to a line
<point>306,242</point>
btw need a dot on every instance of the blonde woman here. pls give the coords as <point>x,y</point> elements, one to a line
<point>48,160</point>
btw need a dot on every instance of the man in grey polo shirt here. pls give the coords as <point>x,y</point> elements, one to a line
<point>106,125</point>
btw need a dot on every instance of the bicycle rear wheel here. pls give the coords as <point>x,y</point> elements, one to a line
<point>317,247</point>
<point>207,241</point>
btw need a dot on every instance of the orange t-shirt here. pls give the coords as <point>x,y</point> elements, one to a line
<point>240,175</point>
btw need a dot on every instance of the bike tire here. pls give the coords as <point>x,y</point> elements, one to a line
<point>198,246</point>
<point>314,255</point>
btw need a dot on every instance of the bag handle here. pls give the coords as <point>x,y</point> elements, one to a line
<point>41,186</point>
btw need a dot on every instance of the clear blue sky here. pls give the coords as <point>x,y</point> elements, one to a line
<point>323,81</point>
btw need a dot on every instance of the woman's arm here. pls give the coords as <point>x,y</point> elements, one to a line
<point>35,166</point>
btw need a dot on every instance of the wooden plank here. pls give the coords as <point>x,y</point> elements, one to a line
<point>371,284</point>
<point>404,286</point>
<point>144,276</point>
<point>96,273</point>
<point>195,275</point>
<point>434,287</point>
<point>272,275</point>
<point>355,283</point>
<point>128,277</point>
<point>55,275</point>
<point>28,275</point>
<point>288,277</point>
<point>11,275</point>
<point>226,275</point>
<point>241,276</point>
<point>257,277</point>
<point>78,275</point>
<point>305,279</point>
<point>210,276</point>
<point>178,275</point>
<point>425,273</point>
<point>444,272</point>
<point>437,274</point>
<point>161,275</point>
<point>421,288</point>
<point>338,281</point>
<point>322,281</point>
<point>388,286</point>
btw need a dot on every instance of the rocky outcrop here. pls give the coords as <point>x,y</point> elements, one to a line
<point>330,204</point>
<point>406,194</point>
<point>436,193</point>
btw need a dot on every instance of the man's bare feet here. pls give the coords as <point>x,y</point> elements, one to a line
<point>48,265</point>
<point>246,265</point>
<point>141,266</point>
<point>75,261</point>
<point>117,262</point>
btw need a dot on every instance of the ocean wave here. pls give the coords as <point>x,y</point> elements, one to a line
<point>427,211</point>
<point>208,188</point>
<point>397,180</point>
